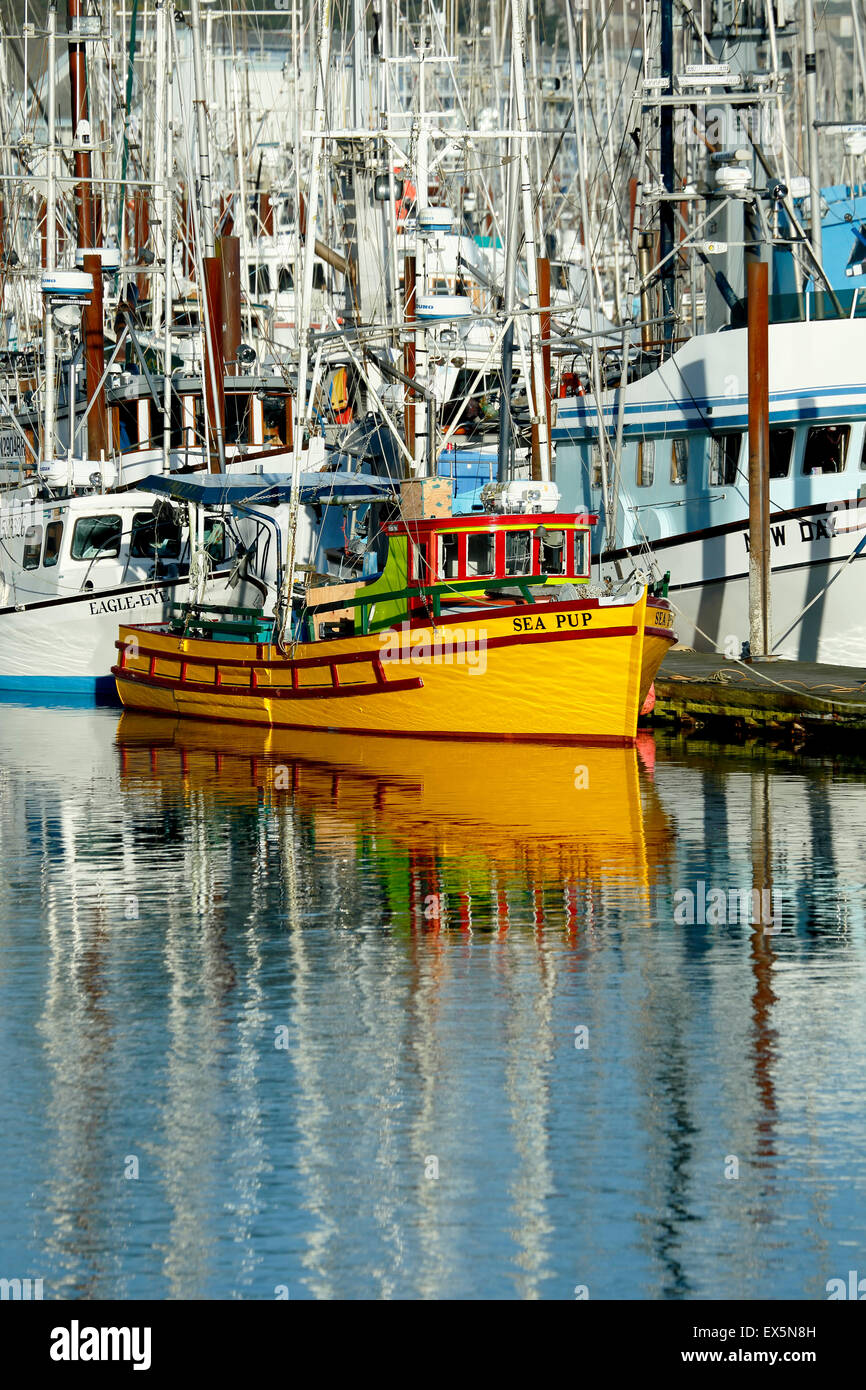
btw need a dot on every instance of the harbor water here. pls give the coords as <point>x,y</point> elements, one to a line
<point>301,1016</point>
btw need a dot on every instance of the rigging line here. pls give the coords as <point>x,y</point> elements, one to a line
<point>600,167</point>
<point>602,164</point>
<point>571,112</point>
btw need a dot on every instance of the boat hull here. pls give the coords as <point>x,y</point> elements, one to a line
<point>547,672</point>
<point>816,585</point>
<point>66,646</point>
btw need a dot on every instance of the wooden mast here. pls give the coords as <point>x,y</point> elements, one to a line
<point>94,342</point>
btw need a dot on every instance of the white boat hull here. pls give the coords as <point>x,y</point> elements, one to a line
<point>817,589</point>
<point>66,646</point>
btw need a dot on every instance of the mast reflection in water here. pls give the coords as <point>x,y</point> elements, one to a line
<point>389,1019</point>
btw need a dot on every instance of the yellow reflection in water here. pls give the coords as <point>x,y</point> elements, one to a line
<point>467,819</point>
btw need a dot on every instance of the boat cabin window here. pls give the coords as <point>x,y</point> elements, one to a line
<point>480,553</point>
<point>237,417</point>
<point>96,537</point>
<point>154,537</point>
<point>646,462</point>
<point>826,448</point>
<point>32,547</point>
<point>781,444</point>
<point>518,552</point>
<point>158,420</point>
<point>260,279</point>
<point>318,276</point>
<point>551,551</point>
<point>285,279</point>
<point>275,422</point>
<point>581,553</point>
<point>559,275</point>
<point>53,537</point>
<point>450,556</point>
<point>679,460</point>
<point>127,421</point>
<point>724,458</point>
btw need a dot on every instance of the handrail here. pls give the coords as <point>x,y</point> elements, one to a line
<point>216,608</point>
<point>457,587</point>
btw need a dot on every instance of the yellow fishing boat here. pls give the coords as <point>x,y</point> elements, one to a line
<point>477,627</point>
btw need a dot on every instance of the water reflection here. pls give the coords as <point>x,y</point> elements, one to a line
<point>505,839</point>
<point>326,993</point>
<point>473,834</point>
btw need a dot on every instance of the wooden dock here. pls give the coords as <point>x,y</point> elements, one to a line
<point>797,699</point>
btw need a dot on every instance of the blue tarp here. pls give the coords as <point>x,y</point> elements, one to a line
<point>268,489</point>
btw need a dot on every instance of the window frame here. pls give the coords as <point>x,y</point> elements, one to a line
<point>775,432</point>
<point>645,459</point>
<point>679,477</point>
<point>517,534</point>
<point>102,554</point>
<point>720,459</point>
<point>845,440</point>
<point>450,536</point>
<point>32,552</point>
<point>52,527</point>
<point>477,537</point>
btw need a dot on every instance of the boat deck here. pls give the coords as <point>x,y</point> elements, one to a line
<point>799,698</point>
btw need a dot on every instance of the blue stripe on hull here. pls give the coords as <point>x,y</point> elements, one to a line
<point>81,689</point>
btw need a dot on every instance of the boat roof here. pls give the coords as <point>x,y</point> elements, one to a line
<point>491,521</point>
<point>269,489</point>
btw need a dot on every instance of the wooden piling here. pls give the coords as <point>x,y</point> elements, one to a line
<point>214,389</point>
<point>759,460</point>
<point>228,250</point>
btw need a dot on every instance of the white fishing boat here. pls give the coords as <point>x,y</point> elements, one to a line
<point>683,495</point>
<point>69,567</point>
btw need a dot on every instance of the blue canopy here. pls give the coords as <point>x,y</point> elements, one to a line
<point>268,489</point>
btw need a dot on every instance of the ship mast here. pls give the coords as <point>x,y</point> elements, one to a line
<point>210,296</point>
<point>811,83</point>
<point>94,343</point>
<point>51,245</point>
